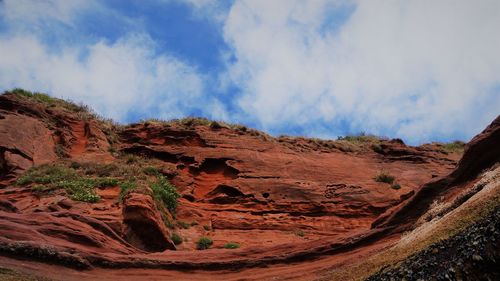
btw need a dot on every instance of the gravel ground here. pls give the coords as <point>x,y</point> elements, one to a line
<point>470,255</point>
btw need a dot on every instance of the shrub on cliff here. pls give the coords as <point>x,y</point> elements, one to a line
<point>204,243</point>
<point>384,177</point>
<point>456,146</point>
<point>176,238</point>
<point>165,192</point>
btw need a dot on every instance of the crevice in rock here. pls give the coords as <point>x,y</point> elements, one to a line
<point>150,153</point>
<point>145,235</point>
<point>215,166</point>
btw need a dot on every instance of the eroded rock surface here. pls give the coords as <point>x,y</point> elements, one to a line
<point>281,201</point>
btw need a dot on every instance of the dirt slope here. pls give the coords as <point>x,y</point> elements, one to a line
<point>294,206</point>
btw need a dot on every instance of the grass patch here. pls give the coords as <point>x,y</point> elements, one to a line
<point>176,238</point>
<point>384,177</point>
<point>361,138</point>
<point>204,243</point>
<point>456,146</point>
<point>51,101</point>
<point>192,122</point>
<point>396,186</point>
<point>231,245</point>
<point>151,171</point>
<point>125,188</point>
<point>120,169</point>
<point>165,192</point>
<point>53,177</point>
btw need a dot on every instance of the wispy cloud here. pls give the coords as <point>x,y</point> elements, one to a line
<point>127,79</point>
<point>416,69</point>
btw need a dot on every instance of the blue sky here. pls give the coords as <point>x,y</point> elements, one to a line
<point>419,70</point>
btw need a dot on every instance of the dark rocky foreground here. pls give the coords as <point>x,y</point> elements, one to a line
<point>470,255</point>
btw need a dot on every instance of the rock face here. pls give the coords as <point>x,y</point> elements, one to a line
<point>471,255</point>
<point>25,142</point>
<point>281,200</point>
<point>482,152</point>
<point>144,225</point>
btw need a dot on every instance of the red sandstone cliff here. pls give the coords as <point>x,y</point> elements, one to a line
<point>282,200</point>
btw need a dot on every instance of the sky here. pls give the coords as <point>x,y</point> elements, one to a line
<point>420,70</point>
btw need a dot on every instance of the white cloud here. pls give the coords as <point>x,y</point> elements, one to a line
<point>112,78</point>
<point>26,13</point>
<point>120,79</point>
<point>209,9</point>
<point>415,69</point>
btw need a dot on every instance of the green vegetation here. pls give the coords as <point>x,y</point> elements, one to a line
<point>204,243</point>
<point>377,148</point>
<point>168,223</point>
<point>354,143</point>
<point>299,233</point>
<point>128,172</point>
<point>81,179</point>
<point>191,122</point>
<point>396,186</point>
<point>151,171</point>
<point>361,137</point>
<point>184,225</point>
<point>456,146</point>
<point>176,238</point>
<point>131,159</point>
<point>207,227</point>
<point>231,245</point>
<point>384,177</point>
<point>165,192</point>
<point>82,112</point>
<point>53,177</point>
<point>125,187</point>
<point>50,101</point>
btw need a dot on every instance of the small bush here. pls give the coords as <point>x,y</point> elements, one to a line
<point>176,238</point>
<point>105,182</point>
<point>377,148</point>
<point>131,159</point>
<point>125,187</point>
<point>207,227</point>
<point>150,170</point>
<point>455,146</point>
<point>45,174</point>
<point>204,243</point>
<point>184,225</point>
<point>168,223</point>
<point>299,233</point>
<point>165,192</point>
<point>231,245</point>
<point>396,186</point>
<point>384,177</point>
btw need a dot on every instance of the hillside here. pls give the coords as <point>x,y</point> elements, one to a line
<point>83,198</point>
